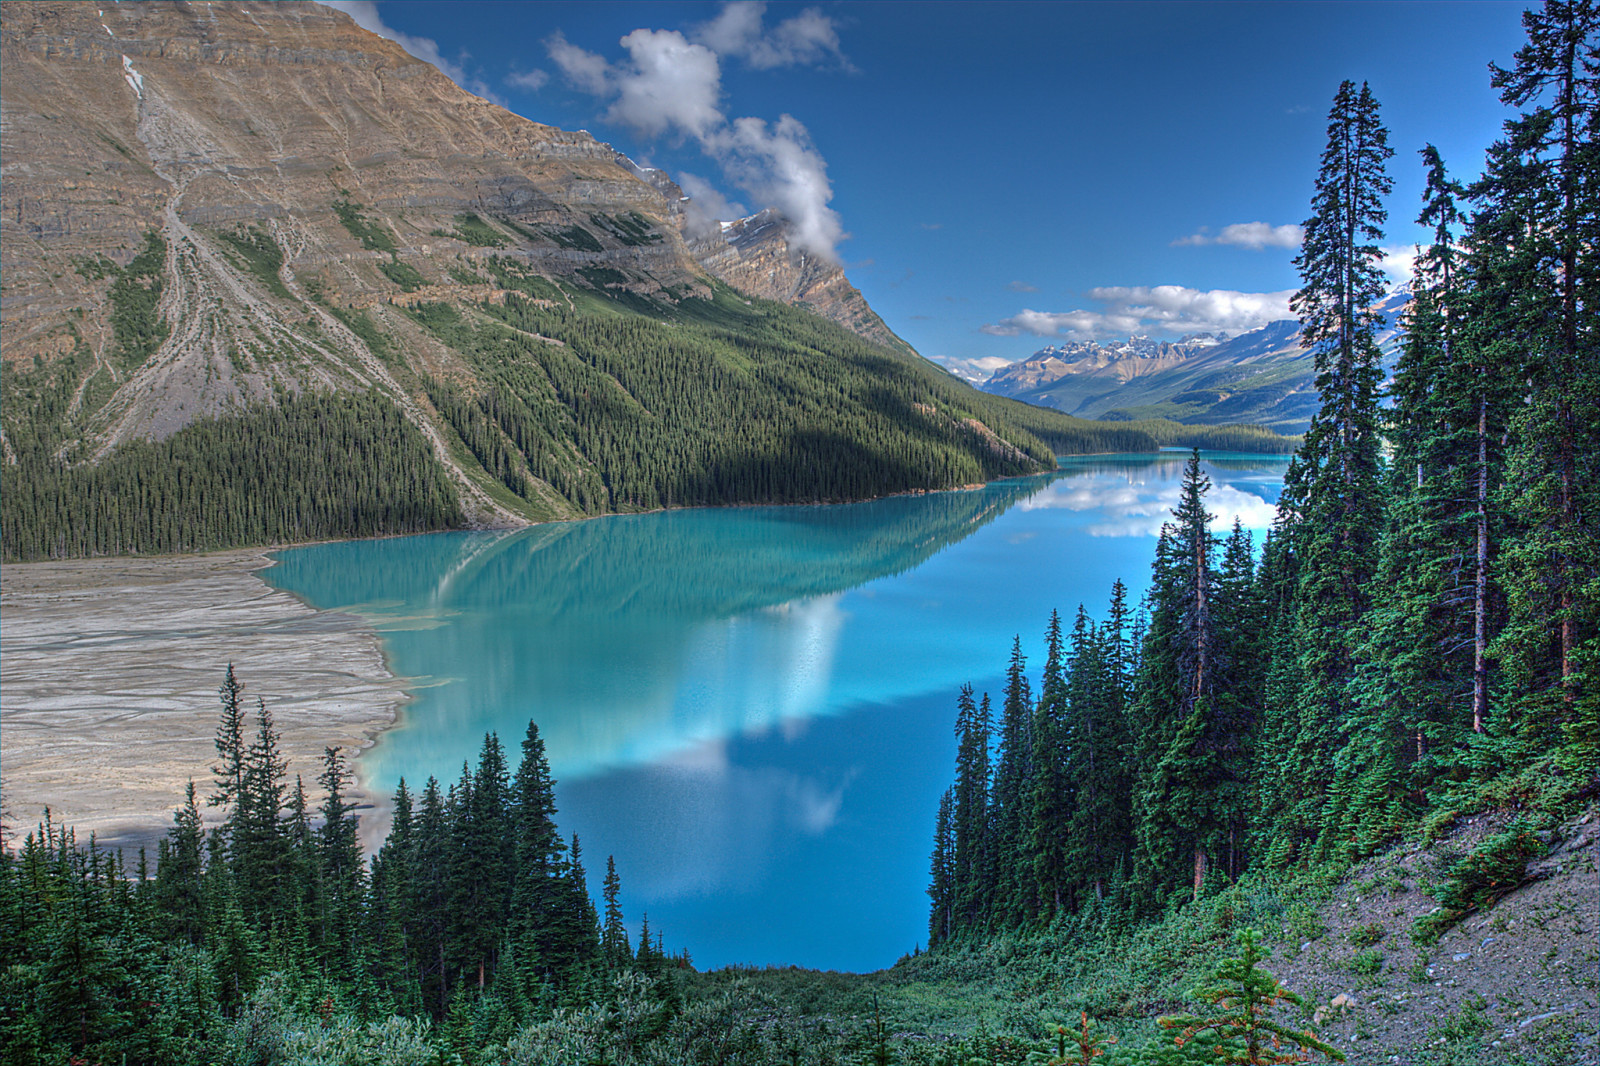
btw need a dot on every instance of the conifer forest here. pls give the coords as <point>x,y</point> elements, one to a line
<point>1135,823</point>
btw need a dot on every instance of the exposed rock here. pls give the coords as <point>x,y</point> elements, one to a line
<point>754,255</point>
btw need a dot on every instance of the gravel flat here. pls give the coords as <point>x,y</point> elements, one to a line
<point>108,686</point>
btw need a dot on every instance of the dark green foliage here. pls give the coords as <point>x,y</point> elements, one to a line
<point>475,231</point>
<point>573,237</point>
<point>374,236</point>
<point>1490,870</point>
<point>631,229</point>
<point>136,320</point>
<point>1332,506</point>
<point>260,255</point>
<point>627,413</point>
<point>403,274</point>
<point>309,468</point>
<point>1244,996</point>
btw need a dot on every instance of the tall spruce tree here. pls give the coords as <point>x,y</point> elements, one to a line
<point>972,874</point>
<point>941,876</point>
<point>1536,239</point>
<point>1334,490</point>
<point>614,937</point>
<point>1012,798</point>
<point>1053,793</point>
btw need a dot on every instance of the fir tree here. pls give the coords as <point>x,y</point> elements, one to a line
<point>1012,798</point>
<point>1334,491</point>
<point>614,937</point>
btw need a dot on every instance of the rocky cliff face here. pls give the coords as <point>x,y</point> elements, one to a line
<point>754,256</point>
<point>281,165</point>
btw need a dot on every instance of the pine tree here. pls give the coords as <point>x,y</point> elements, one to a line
<point>340,866</point>
<point>230,743</point>
<point>180,889</point>
<point>1334,490</point>
<point>261,852</point>
<point>1535,239</point>
<point>941,877</point>
<point>1012,799</point>
<point>539,884</point>
<point>1054,794</point>
<point>614,938</point>
<point>971,813</point>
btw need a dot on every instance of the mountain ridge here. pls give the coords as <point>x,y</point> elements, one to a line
<point>1262,376</point>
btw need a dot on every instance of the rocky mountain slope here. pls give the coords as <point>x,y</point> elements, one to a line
<point>754,256</point>
<point>207,207</point>
<point>1262,377</point>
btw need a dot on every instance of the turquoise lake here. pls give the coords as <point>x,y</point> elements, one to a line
<point>752,708</point>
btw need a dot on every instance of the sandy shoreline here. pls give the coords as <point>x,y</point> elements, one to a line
<point>108,685</point>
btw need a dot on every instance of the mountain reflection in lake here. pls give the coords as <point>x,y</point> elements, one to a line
<point>751,707</point>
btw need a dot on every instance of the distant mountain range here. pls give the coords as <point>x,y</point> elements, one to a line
<point>1263,376</point>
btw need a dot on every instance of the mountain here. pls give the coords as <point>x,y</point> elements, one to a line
<point>754,256</point>
<point>219,221</point>
<point>1262,377</point>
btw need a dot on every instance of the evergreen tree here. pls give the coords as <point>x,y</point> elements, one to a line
<point>1012,798</point>
<point>971,812</point>
<point>614,937</point>
<point>941,877</point>
<point>1054,794</point>
<point>1333,490</point>
<point>261,854</point>
<point>340,866</point>
<point>540,889</point>
<point>180,889</point>
<point>1535,239</point>
<point>230,743</point>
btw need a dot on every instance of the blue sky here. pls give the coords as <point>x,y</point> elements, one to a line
<point>996,177</point>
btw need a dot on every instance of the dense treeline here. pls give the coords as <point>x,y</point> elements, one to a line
<point>310,467</point>
<point>1418,636</point>
<point>625,412</point>
<point>469,937</point>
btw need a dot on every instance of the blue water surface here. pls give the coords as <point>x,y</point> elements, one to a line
<point>752,708</point>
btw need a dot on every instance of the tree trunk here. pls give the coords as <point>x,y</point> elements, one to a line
<point>1480,592</point>
<point>1199,869</point>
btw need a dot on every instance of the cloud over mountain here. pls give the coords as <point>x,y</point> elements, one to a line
<point>1144,309</point>
<point>670,85</point>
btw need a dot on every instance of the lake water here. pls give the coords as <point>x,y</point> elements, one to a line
<point>752,708</point>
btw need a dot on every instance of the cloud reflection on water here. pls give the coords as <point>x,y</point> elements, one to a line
<point>1135,501</point>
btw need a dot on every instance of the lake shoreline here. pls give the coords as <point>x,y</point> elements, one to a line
<point>110,667</point>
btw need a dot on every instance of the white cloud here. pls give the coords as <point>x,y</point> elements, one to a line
<point>365,14</point>
<point>532,80</point>
<point>1158,309</point>
<point>707,206</point>
<point>806,39</point>
<point>670,85</point>
<point>585,70</point>
<point>1397,262</point>
<point>1252,235</point>
<point>972,370</point>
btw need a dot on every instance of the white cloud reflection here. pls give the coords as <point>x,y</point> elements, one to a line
<point>1137,503</point>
